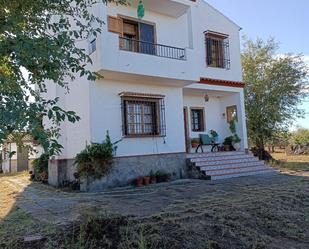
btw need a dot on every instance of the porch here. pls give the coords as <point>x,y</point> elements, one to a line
<point>212,108</point>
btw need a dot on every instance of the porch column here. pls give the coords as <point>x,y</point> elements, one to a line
<point>243,120</point>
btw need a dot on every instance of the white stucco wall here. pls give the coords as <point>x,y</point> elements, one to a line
<point>206,18</point>
<point>98,104</point>
<point>186,31</point>
<point>106,115</point>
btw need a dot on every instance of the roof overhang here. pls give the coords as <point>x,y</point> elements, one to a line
<point>172,8</point>
<point>210,81</point>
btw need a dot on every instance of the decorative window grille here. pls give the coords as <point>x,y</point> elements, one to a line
<point>217,50</point>
<point>142,115</point>
<point>197,120</point>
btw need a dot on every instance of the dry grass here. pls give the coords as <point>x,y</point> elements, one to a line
<point>8,194</point>
<point>246,214</point>
<point>291,162</point>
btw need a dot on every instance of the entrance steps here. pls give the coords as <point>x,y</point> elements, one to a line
<point>223,165</point>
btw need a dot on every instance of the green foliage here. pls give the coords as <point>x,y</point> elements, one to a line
<point>300,137</point>
<point>40,165</point>
<point>234,138</point>
<point>232,126</point>
<point>39,37</point>
<point>228,141</point>
<point>275,85</point>
<point>96,159</point>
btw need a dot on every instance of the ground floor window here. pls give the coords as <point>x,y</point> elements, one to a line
<point>231,113</point>
<point>197,119</point>
<point>143,115</point>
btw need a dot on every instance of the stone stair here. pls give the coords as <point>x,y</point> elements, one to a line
<point>223,165</point>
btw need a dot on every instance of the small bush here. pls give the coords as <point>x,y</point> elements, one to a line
<point>96,159</point>
<point>40,166</point>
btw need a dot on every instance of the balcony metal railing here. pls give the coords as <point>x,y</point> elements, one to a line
<point>143,47</point>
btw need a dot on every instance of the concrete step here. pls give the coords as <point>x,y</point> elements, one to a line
<point>235,170</point>
<point>231,166</point>
<point>217,158</point>
<point>240,174</point>
<point>233,160</point>
<point>215,154</point>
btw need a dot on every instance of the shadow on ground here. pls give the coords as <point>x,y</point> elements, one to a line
<point>267,211</point>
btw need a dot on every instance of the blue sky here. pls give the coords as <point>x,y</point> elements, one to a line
<point>286,21</point>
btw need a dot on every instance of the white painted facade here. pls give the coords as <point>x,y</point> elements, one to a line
<point>178,23</point>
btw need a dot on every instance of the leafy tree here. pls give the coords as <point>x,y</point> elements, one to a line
<point>39,37</point>
<point>275,85</point>
<point>300,137</point>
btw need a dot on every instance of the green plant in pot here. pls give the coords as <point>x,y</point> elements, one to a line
<point>235,138</point>
<point>153,177</point>
<point>228,143</point>
<point>162,176</point>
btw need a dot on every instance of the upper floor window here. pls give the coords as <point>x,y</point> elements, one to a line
<point>217,50</point>
<point>143,115</point>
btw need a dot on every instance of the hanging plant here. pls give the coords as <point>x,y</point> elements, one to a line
<point>140,10</point>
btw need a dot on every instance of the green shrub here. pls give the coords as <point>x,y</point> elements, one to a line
<point>96,159</point>
<point>228,140</point>
<point>40,167</point>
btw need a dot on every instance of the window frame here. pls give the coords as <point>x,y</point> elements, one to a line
<point>202,122</point>
<point>158,124</point>
<point>137,22</point>
<point>220,56</point>
<point>228,118</point>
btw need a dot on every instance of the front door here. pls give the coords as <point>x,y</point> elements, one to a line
<point>186,125</point>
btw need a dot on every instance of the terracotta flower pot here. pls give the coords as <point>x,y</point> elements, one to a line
<point>194,145</point>
<point>146,180</point>
<point>153,180</point>
<point>139,181</point>
<point>227,147</point>
<point>44,177</point>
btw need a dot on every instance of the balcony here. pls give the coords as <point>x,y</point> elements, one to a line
<point>132,45</point>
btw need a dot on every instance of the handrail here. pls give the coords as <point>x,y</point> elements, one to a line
<point>150,48</point>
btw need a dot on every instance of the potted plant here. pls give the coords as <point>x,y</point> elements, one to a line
<point>162,176</point>
<point>195,142</point>
<point>139,181</point>
<point>153,178</point>
<point>44,177</point>
<point>236,142</point>
<point>235,138</point>
<point>146,180</point>
<point>228,143</point>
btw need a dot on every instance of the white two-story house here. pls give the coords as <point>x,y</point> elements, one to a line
<point>166,78</point>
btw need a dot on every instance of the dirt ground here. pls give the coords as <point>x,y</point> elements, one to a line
<point>266,211</point>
